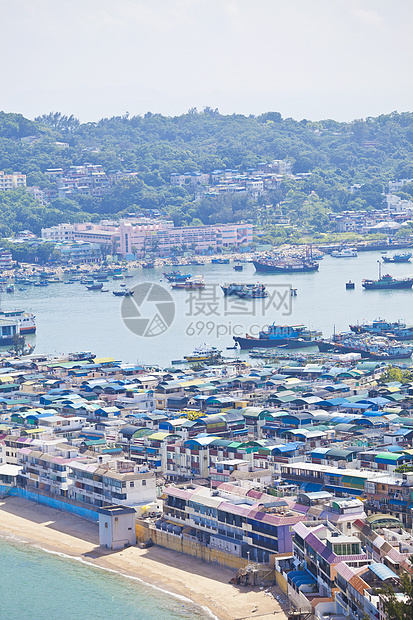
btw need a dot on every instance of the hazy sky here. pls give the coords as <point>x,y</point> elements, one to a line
<point>313,59</point>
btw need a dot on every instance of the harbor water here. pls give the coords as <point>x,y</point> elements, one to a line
<point>36,585</point>
<point>71,318</point>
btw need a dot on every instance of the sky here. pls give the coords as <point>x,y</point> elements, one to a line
<point>313,59</point>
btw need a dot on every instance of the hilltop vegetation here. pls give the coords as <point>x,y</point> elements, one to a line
<point>366,152</point>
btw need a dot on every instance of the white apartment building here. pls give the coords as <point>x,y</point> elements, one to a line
<point>112,482</point>
<point>11,181</point>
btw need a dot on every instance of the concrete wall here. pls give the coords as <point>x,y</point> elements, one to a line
<point>179,544</point>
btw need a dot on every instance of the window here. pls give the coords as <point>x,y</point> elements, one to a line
<point>144,483</point>
<point>132,484</point>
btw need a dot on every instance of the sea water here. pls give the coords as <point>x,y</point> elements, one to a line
<point>71,318</point>
<point>36,585</point>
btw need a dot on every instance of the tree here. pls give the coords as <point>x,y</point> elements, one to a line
<point>399,608</point>
<point>19,346</point>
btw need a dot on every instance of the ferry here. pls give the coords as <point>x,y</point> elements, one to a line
<point>9,329</point>
<point>291,336</point>
<point>26,320</point>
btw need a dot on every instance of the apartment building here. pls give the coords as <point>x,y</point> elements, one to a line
<point>244,523</point>
<point>47,471</point>
<point>111,482</point>
<point>11,181</point>
<point>163,239</point>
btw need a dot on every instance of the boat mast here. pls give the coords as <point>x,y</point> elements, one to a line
<point>379,269</point>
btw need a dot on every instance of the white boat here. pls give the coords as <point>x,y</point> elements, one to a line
<point>203,353</point>
<point>344,253</point>
<point>26,320</point>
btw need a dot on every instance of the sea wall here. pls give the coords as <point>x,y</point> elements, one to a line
<point>47,500</point>
<point>179,544</point>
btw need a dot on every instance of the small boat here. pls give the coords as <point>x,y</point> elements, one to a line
<point>123,293</point>
<point>176,276</point>
<point>344,253</point>
<point>10,288</point>
<point>95,287</point>
<point>350,285</point>
<point>189,285</point>
<point>220,261</point>
<point>148,265</point>
<point>22,288</point>
<point>41,283</point>
<point>203,353</point>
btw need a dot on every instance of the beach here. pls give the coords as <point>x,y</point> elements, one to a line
<point>204,584</point>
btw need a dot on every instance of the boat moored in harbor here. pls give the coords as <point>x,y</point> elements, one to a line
<point>291,336</point>
<point>369,347</point>
<point>203,353</point>
<point>284,264</point>
<point>398,258</point>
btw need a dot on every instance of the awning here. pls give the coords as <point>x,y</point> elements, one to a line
<point>382,571</point>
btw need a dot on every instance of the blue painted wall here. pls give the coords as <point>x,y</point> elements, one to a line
<point>52,502</point>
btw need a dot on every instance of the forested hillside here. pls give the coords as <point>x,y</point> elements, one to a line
<point>366,152</point>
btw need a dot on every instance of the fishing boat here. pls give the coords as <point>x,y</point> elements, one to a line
<point>95,287</point>
<point>283,264</point>
<point>398,258</point>
<point>254,292</point>
<point>220,261</point>
<point>397,330</point>
<point>369,347</point>
<point>189,285</point>
<point>344,253</point>
<point>123,293</point>
<point>238,289</point>
<point>386,282</point>
<point>41,283</point>
<point>176,276</point>
<point>203,353</point>
<point>293,336</point>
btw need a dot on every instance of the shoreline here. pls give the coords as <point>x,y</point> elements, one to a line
<point>204,585</point>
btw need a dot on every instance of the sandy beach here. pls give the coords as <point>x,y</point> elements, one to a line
<point>204,584</point>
